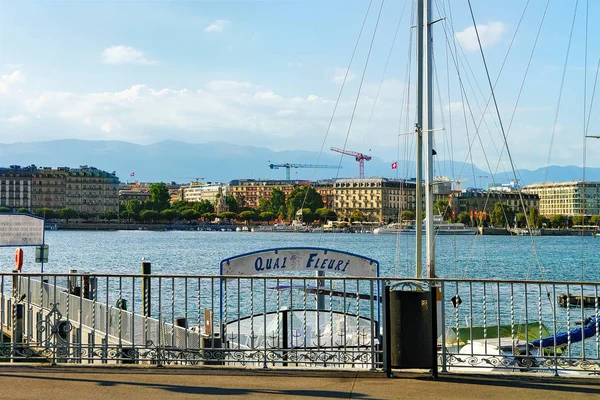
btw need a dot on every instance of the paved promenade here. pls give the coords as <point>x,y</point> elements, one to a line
<point>45,382</point>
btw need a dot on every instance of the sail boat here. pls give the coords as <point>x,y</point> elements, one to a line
<point>497,345</point>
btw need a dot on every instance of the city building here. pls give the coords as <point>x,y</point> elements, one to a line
<point>249,191</point>
<point>214,192</point>
<point>478,200</point>
<point>82,189</point>
<point>567,198</point>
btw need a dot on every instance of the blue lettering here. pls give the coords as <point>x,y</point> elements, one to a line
<point>311,258</point>
<point>339,264</point>
<point>276,265</point>
<point>258,264</point>
<point>284,260</point>
<point>346,266</point>
<point>331,263</point>
<point>324,263</point>
<point>269,263</point>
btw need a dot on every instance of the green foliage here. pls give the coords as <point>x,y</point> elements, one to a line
<point>303,197</point>
<point>502,215</point>
<point>134,206</point>
<point>108,215</point>
<point>277,206</point>
<point>558,221</point>
<point>325,214</point>
<point>209,216</point>
<point>407,215</point>
<point>357,215</point>
<point>267,216</point>
<point>23,210</point>
<point>464,218</point>
<point>231,203</point>
<point>264,204</point>
<point>47,213</point>
<point>595,220</point>
<point>4,209</point>
<point>521,220</point>
<point>160,196</point>
<point>228,215</point>
<point>578,220</point>
<point>203,207</point>
<point>180,205</point>
<point>248,216</point>
<point>441,207</point>
<point>534,217</point>
<point>126,215</point>
<point>189,214</point>
<point>150,215</point>
<point>307,215</point>
<point>67,214</point>
<point>86,216</point>
<point>168,214</point>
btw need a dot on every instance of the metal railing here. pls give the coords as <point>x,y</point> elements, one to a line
<point>300,321</point>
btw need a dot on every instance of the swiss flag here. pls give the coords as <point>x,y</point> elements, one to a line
<point>132,174</point>
<point>394,165</point>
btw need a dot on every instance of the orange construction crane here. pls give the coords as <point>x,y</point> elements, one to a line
<point>360,157</point>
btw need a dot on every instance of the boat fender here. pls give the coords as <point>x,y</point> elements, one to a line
<point>18,259</point>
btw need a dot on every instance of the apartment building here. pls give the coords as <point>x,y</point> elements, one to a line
<point>83,189</point>
<point>567,198</point>
<point>249,191</point>
<point>481,200</point>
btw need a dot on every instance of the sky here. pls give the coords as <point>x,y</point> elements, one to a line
<point>269,73</point>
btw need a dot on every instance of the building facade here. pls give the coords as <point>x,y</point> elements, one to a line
<point>82,189</point>
<point>248,192</point>
<point>567,198</point>
<point>481,200</point>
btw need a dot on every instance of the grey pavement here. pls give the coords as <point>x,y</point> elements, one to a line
<point>85,382</point>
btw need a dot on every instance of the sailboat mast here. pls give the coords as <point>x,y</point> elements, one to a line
<point>424,134</point>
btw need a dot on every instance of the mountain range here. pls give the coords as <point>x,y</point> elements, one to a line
<point>174,161</point>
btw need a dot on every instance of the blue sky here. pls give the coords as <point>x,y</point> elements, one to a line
<point>267,73</point>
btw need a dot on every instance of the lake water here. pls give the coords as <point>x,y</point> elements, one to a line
<point>192,252</point>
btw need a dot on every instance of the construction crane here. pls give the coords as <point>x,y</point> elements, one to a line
<point>287,167</point>
<point>360,157</point>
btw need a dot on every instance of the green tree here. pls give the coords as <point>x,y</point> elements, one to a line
<point>277,206</point>
<point>4,209</point>
<point>180,205</point>
<point>464,218</point>
<point>248,216</point>
<point>595,220</point>
<point>325,214</point>
<point>134,206</point>
<point>307,215</point>
<point>168,214</point>
<point>47,213</point>
<point>357,215</point>
<point>303,197</point>
<point>203,206</point>
<point>126,215</point>
<point>502,215</point>
<point>189,214</point>
<point>150,215</point>
<point>210,216</point>
<point>521,220</point>
<point>160,196</point>
<point>23,210</point>
<point>231,203</point>
<point>558,221</point>
<point>578,220</point>
<point>534,217</point>
<point>86,216</point>
<point>108,215</point>
<point>267,216</point>
<point>67,214</point>
<point>441,207</point>
<point>264,204</point>
<point>407,215</point>
<point>229,215</point>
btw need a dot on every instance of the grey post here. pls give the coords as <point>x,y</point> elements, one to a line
<point>146,304</point>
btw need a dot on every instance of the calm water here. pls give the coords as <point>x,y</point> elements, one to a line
<point>186,252</point>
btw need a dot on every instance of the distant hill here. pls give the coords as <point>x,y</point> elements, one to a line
<point>221,162</point>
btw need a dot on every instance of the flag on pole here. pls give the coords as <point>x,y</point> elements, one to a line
<point>484,215</point>
<point>132,174</point>
<point>394,165</point>
<point>471,214</point>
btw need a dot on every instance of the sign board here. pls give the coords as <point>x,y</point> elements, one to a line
<point>38,254</point>
<point>21,230</point>
<point>311,259</point>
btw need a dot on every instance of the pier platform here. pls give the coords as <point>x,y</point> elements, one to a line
<point>84,382</point>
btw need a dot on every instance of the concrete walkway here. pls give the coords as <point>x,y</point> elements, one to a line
<point>83,382</point>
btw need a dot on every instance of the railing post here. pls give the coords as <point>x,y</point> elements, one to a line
<point>387,355</point>
<point>146,301</point>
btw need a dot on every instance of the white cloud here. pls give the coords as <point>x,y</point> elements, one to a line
<point>17,119</point>
<point>15,77</point>
<point>292,64</point>
<point>489,34</point>
<point>217,26</point>
<point>340,73</point>
<point>124,55</point>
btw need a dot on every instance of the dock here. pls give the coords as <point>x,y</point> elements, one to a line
<point>576,300</point>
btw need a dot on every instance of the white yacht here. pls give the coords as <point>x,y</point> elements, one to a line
<point>440,227</point>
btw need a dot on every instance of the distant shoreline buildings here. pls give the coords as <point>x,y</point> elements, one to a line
<point>88,189</point>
